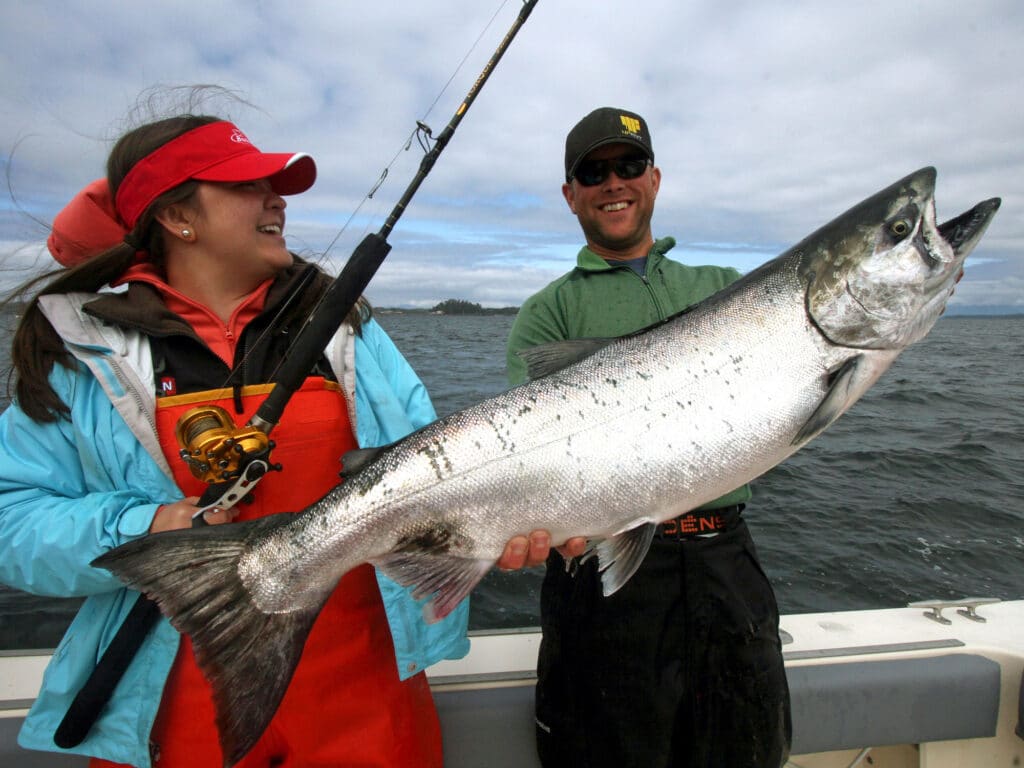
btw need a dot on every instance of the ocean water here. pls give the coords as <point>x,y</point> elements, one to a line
<point>916,493</point>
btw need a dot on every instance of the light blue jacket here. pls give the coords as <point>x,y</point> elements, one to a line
<point>73,489</point>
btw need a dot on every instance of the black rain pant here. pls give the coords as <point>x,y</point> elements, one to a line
<point>682,667</point>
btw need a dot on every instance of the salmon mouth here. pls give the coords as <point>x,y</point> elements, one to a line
<point>963,232</point>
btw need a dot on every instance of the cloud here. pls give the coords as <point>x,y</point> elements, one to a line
<point>768,119</point>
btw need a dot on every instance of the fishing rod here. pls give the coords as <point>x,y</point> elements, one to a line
<point>214,448</point>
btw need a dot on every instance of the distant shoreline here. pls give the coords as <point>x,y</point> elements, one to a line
<point>475,312</point>
<point>450,307</point>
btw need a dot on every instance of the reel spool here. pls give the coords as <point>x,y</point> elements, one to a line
<point>213,447</point>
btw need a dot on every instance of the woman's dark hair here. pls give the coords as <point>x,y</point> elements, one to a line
<point>36,347</point>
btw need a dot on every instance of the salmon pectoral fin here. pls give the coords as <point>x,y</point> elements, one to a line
<point>443,578</point>
<point>619,556</point>
<point>842,392</point>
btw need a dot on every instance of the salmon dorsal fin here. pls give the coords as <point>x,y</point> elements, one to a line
<point>556,355</point>
<point>553,356</point>
<point>357,459</point>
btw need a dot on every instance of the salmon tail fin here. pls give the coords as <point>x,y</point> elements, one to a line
<point>248,656</point>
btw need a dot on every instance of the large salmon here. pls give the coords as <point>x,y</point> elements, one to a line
<point>608,438</point>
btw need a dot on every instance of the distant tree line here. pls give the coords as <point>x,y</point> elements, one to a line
<point>451,307</point>
<point>461,307</point>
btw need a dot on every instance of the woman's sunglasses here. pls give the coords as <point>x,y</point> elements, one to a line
<point>590,173</point>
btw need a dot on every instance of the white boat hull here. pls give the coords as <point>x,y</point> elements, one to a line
<point>890,688</point>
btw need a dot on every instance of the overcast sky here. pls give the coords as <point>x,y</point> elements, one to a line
<point>768,119</point>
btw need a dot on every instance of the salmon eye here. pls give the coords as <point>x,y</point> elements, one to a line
<point>900,228</point>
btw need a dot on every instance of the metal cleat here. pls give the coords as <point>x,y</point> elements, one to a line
<point>966,607</point>
<point>970,605</point>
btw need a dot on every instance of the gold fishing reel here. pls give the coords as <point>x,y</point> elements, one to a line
<point>214,448</point>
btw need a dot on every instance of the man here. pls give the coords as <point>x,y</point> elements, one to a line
<point>683,665</point>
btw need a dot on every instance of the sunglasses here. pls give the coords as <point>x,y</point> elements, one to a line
<point>590,173</point>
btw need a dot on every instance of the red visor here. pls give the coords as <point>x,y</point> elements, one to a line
<point>215,152</point>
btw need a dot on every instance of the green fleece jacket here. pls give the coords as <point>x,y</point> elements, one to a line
<point>600,300</point>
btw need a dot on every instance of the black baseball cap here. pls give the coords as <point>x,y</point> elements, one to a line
<point>606,125</point>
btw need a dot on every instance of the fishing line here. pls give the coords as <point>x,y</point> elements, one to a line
<point>421,132</point>
<point>345,291</point>
<point>424,136</point>
<point>241,470</point>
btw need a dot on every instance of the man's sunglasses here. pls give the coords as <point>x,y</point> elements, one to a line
<point>590,173</point>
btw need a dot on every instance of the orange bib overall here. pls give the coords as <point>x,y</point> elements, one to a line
<point>345,705</point>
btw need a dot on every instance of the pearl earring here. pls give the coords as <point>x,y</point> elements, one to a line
<point>187,234</point>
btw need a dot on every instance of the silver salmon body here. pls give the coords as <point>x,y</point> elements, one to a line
<point>607,439</point>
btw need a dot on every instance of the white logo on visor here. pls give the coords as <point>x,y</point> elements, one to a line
<point>239,138</point>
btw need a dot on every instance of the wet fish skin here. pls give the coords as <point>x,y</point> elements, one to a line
<point>608,438</point>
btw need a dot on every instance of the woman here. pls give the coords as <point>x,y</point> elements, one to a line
<point>180,293</point>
